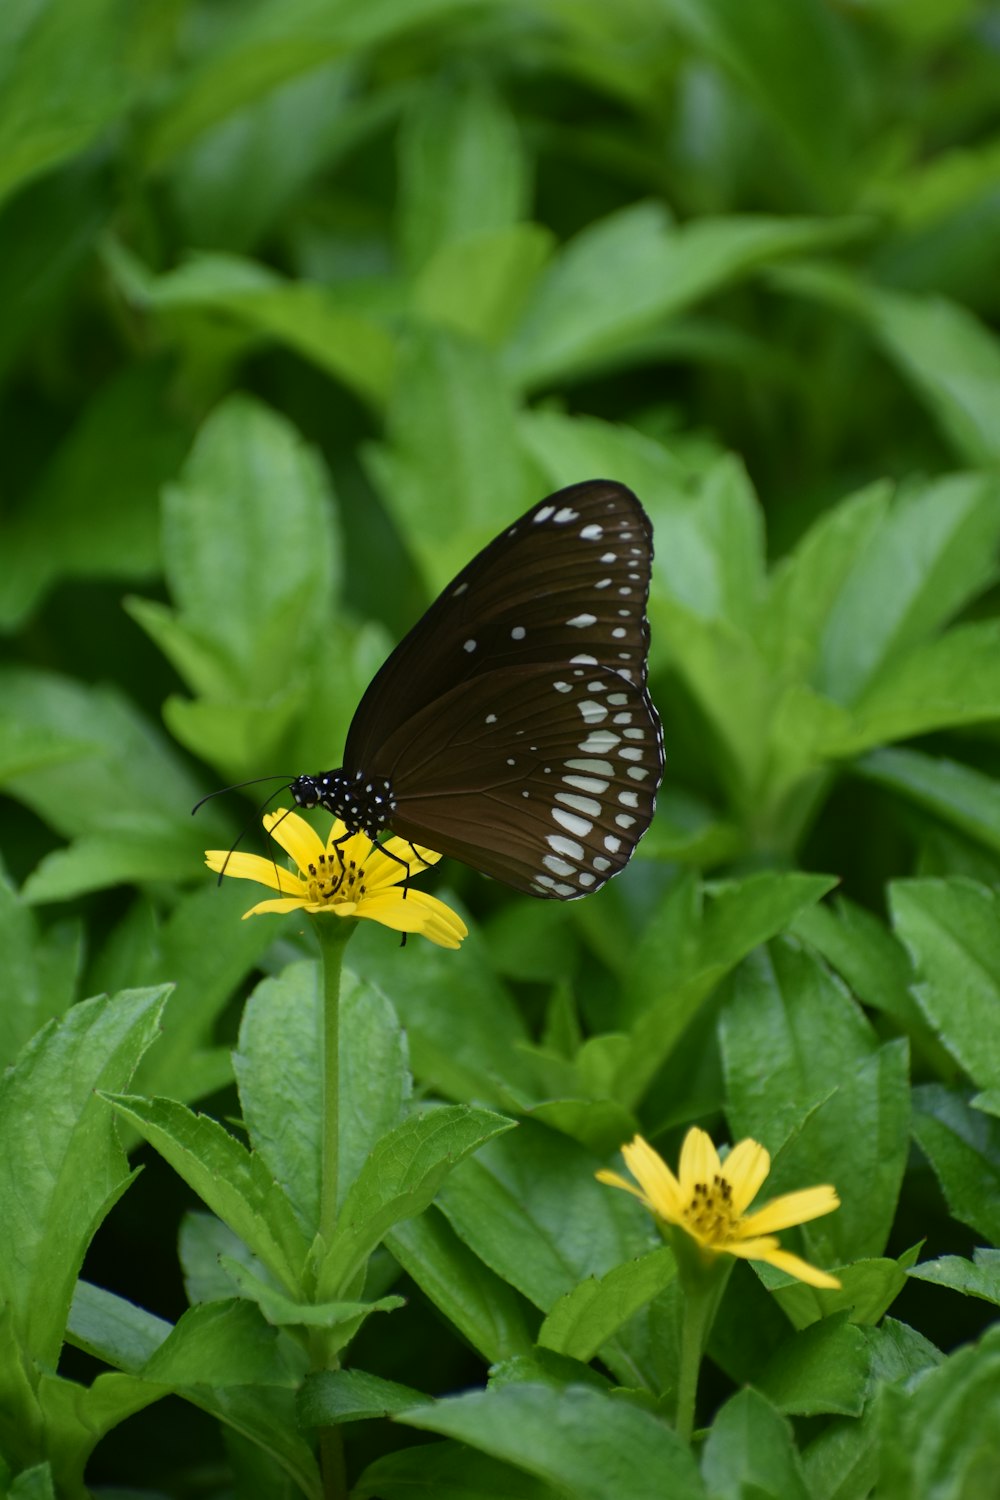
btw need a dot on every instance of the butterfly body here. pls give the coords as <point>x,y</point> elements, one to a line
<point>511,729</point>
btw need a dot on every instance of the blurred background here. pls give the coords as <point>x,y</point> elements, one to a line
<point>304,299</point>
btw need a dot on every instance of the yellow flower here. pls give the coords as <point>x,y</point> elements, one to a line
<point>708,1201</point>
<point>353,878</point>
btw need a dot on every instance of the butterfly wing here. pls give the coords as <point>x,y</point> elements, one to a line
<point>541,775</point>
<point>567,583</point>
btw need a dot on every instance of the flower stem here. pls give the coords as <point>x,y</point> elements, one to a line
<point>333,934</point>
<point>700,1297</point>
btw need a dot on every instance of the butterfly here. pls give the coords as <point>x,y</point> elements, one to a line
<point>511,728</point>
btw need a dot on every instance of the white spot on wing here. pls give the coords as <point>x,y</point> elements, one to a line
<point>573,824</point>
<point>592,533</point>
<point>566,513</point>
<point>583,661</point>
<point>582,621</point>
<point>597,767</point>
<point>592,712</point>
<point>569,847</point>
<point>517,634</point>
<point>599,743</point>
<point>628,799</point>
<point>589,806</point>
<point>589,784</point>
<point>544,513</point>
<point>469,646</point>
<point>556,865</point>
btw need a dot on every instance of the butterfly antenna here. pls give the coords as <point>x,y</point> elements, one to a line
<point>237,786</point>
<point>254,816</point>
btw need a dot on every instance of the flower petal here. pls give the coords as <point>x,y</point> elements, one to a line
<point>614,1179</point>
<point>783,1260</point>
<point>279,904</point>
<point>761,1248</point>
<point>792,1208</point>
<point>655,1178</point>
<point>699,1161</point>
<point>297,837</point>
<point>255,867</point>
<point>414,912</point>
<point>746,1168</point>
<point>382,870</point>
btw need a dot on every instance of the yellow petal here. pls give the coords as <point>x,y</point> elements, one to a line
<point>783,1260</point>
<point>792,1208</point>
<point>655,1178</point>
<point>613,1179</point>
<point>761,1248</point>
<point>279,904</point>
<point>382,871</point>
<point>415,912</point>
<point>343,848</point>
<point>254,867</point>
<point>297,837</point>
<point>746,1168</point>
<point>699,1161</point>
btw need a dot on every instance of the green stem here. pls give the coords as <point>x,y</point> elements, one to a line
<point>701,1293</point>
<point>333,933</point>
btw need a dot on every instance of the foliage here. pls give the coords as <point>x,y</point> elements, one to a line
<point>304,299</point>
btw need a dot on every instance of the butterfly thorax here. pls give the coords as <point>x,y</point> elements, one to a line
<point>363,803</point>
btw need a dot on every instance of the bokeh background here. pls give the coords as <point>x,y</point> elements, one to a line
<point>303,300</point>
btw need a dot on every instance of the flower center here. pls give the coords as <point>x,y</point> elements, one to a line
<point>333,881</point>
<point>710,1211</point>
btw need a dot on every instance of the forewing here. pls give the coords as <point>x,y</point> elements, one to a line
<point>566,583</point>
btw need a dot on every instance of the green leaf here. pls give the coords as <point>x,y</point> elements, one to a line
<point>872,961</point>
<point>959,795</point>
<point>806,586</point>
<point>41,967</point>
<point>923,559</point>
<point>61,1166</point>
<point>278,1070</point>
<point>452,472</point>
<point>220,1344</point>
<point>268,44</point>
<point>531,1209</point>
<point>483,1308</point>
<point>231,1181</point>
<point>126,1336</point>
<point>61,82</point>
<point>447,1471</point>
<point>798,61</point>
<point>462,168</point>
<point>979,1277</point>
<point>479,285</point>
<point>840,1097</point>
<point>85,518</point>
<point>950,927</point>
<point>466,1036</point>
<point>625,275</point>
<point>685,953</point>
<point>328,328</point>
<point>963,1147</point>
<point>280,1310</point>
<point>941,1435</point>
<point>823,1368</point>
<point>751,1443</point>
<point>868,1289</point>
<point>587,1442</point>
<point>253,583</point>
<point>585,1318</point>
<point>352,1396</point>
<point>33,1484</point>
<point>106,771</point>
<point>400,1178</point>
